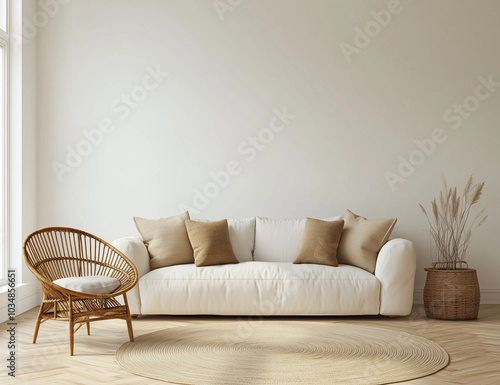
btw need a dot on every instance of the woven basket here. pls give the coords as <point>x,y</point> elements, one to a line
<point>451,294</point>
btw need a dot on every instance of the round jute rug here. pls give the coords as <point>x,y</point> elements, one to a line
<point>276,352</point>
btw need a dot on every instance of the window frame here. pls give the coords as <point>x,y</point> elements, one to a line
<point>4,142</point>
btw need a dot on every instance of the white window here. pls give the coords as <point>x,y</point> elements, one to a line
<point>3,15</point>
<point>4,56</point>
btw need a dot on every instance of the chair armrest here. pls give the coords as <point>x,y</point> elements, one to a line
<point>135,250</point>
<point>395,269</point>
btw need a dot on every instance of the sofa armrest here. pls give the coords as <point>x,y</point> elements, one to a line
<point>135,250</point>
<point>395,269</point>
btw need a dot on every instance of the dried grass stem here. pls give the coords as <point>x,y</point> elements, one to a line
<point>451,222</point>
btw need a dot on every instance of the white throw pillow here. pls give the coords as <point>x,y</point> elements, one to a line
<point>331,219</point>
<point>241,235</point>
<point>95,284</point>
<point>280,240</point>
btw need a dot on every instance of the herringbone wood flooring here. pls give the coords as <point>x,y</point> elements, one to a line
<point>474,347</point>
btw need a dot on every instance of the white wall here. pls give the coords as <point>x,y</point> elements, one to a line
<point>353,118</point>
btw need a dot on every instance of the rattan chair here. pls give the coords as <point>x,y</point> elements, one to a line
<point>60,252</point>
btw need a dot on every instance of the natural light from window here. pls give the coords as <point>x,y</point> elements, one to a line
<point>4,38</point>
<point>3,15</point>
<point>3,208</point>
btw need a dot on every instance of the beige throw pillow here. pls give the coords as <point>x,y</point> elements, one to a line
<point>210,242</point>
<point>320,243</point>
<point>362,239</point>
<point>166,240</point>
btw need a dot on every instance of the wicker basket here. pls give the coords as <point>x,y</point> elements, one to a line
<point>451,294</point>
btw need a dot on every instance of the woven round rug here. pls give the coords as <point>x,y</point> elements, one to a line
<point>275,352</point>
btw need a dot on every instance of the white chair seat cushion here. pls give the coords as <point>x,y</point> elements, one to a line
<point>95,284</point>
<point>260,288</point>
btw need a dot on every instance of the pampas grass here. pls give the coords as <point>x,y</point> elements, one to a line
<point>451,222</point>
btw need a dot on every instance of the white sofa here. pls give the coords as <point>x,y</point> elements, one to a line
<point>266,282</point>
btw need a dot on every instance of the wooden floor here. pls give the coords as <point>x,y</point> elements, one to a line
<point>474,347</point>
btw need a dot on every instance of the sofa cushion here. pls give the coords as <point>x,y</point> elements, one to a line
<point>362,239</point>
<point>279,240</point>
<point>260,288</point>
<point>210,242</point>
<point>242,236</point>
<point>320,243</point>
<point>166,240</point>
<point>95,284</point>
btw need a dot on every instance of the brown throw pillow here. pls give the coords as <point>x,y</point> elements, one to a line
<point>210,242</point>
<point>320,243</point>
<point>166,239</point>
<point>362,239</point>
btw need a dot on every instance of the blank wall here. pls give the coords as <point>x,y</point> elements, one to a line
<point>115,141</point>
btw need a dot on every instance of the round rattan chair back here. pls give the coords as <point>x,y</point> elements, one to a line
<point>62,252</point>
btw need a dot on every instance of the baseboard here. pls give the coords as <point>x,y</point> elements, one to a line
<point>488,296</point>
<point>418,296</point>
<point>26,299</point>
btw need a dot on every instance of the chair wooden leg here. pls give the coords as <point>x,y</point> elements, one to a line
<point>37,327</point>
<point>71,337</point>
<point>88,328</point>
<point>71,327</point>
<point>129,319</point>
<point>129,326</point>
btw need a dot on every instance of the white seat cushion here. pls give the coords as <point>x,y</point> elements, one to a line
<point>95,284</point>
<point>260,288</point>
